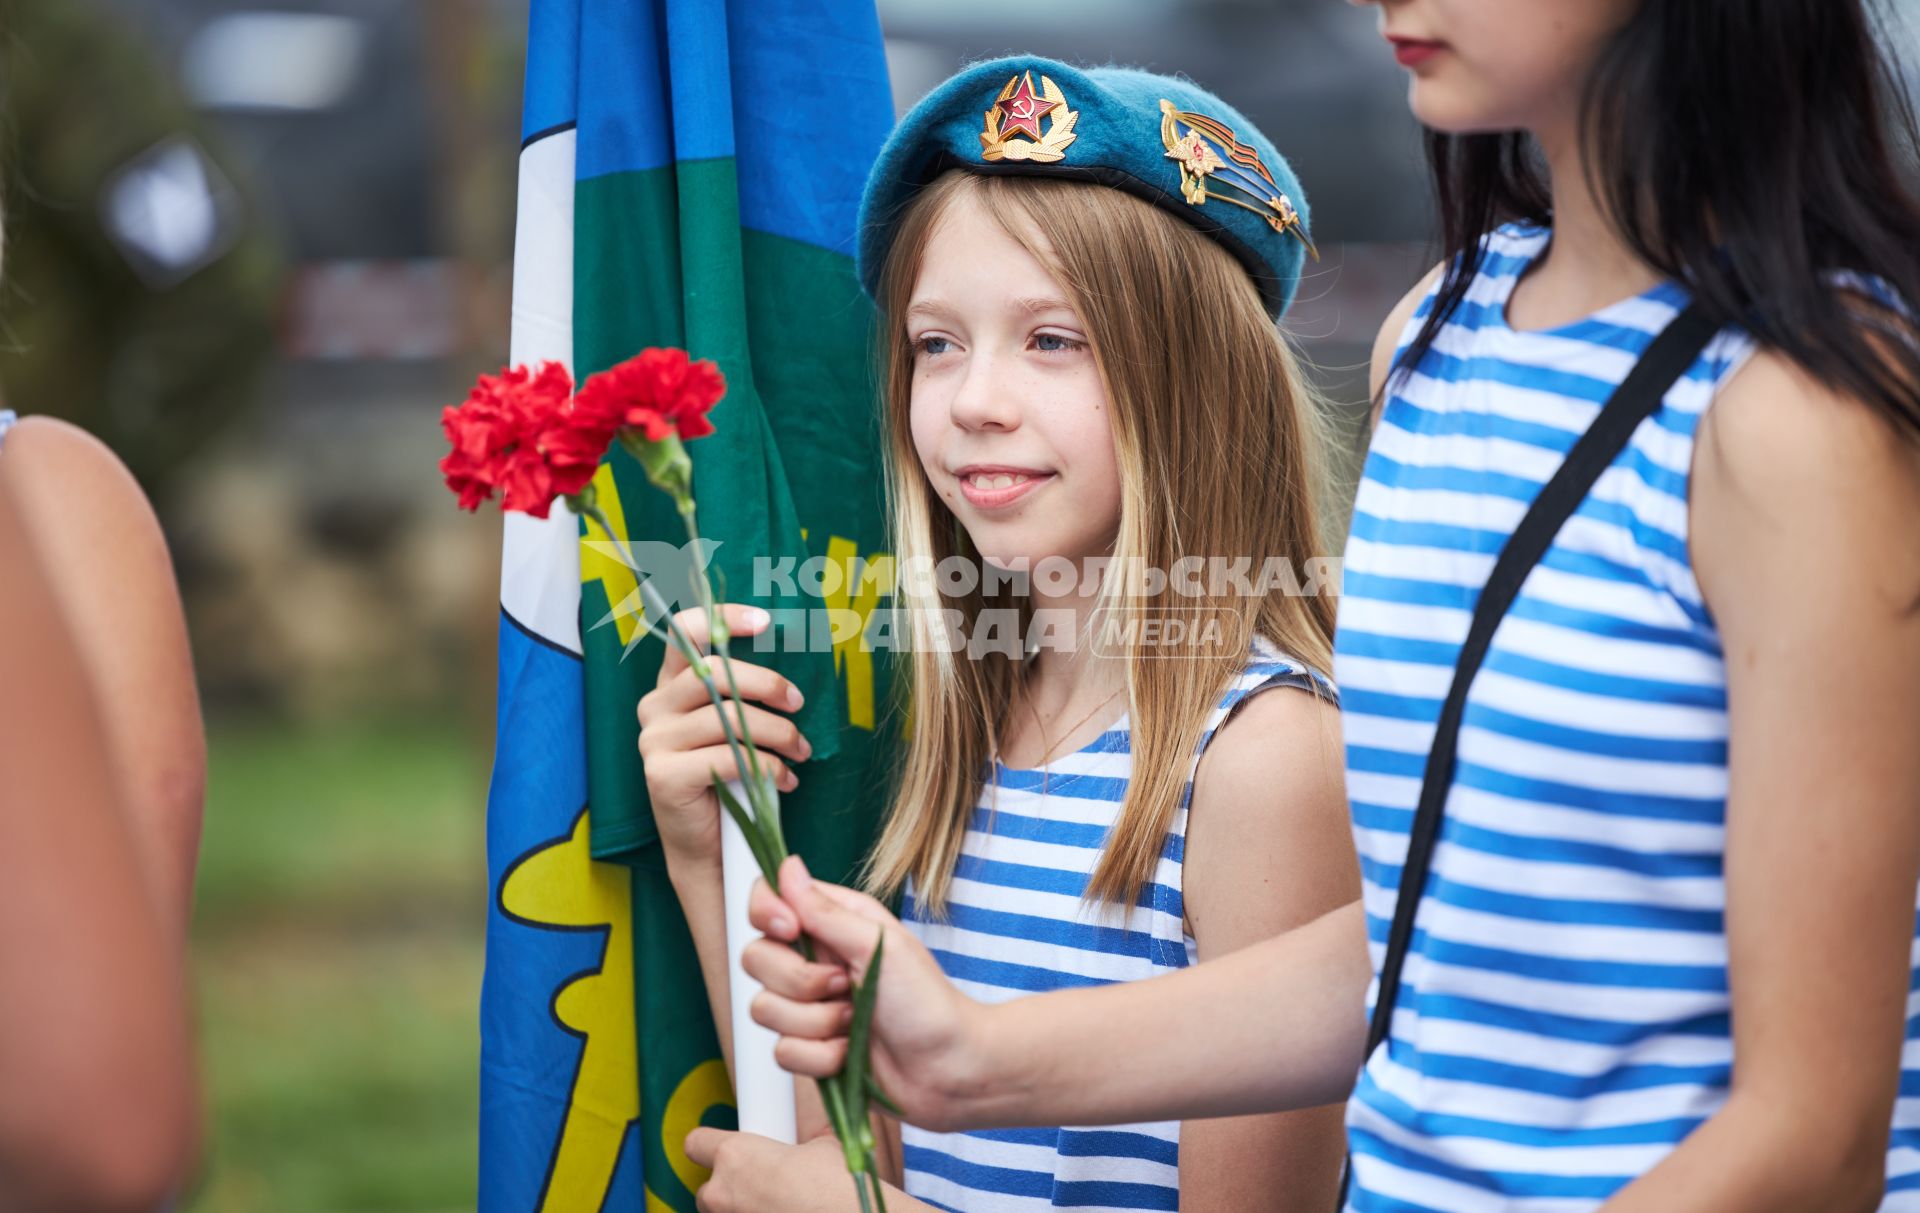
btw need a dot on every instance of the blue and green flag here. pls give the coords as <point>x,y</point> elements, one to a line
<point>690,176</point>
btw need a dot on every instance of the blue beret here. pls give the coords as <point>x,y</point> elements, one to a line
<point>1157,137</point>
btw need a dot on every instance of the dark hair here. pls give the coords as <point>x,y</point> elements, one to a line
<point>1746,149</point>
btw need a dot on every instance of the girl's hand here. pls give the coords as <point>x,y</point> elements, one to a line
<point>926,1034</point>
<point>682,745</point>
<point>753,1174</point>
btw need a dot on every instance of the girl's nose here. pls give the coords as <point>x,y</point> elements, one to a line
<point>982,403</point>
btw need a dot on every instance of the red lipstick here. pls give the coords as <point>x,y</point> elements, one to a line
<point>1412,52</point>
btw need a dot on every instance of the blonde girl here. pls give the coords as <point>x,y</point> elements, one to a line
<point>1079,274</point>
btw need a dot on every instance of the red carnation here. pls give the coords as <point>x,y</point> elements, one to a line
<point>574,443</point>
<point>516,434</point>
<point>658,392</point>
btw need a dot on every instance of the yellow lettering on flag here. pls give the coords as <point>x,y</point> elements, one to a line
<point>854,585</point>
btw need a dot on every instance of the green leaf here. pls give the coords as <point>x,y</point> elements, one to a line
<point>878,1095</point>
<point>756,839</point>
<point>859,1035</point>
<point>836,1109</point>
<point>737,811</point>
<point>777,837</point>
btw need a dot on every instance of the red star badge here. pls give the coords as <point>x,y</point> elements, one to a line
<point>1024,109</point>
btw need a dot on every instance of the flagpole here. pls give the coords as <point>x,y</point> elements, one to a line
<point>763,1092</point>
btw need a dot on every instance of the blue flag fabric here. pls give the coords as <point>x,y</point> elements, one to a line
<point>690,175</point>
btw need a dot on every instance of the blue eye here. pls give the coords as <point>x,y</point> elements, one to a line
<point>1054,343</point>
<point>931,345</point>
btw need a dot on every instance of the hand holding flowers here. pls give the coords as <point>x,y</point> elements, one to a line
<point>927,1038</point>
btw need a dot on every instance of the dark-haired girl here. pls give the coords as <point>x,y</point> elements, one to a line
<point>1663,959</point>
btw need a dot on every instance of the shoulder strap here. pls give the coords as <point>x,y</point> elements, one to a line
<point>1677,347</point>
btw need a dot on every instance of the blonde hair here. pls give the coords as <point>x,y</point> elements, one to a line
<point>1218,442</point>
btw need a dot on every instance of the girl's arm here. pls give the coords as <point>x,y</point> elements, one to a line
<point>1268,848</point>
<point>1276,1026</point>
<point>1804,542</point>
<point>107,565</point>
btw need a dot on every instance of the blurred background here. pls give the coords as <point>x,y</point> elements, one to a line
<point>255,245</point>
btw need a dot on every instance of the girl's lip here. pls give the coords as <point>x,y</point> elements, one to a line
<point>1412,52</point>
<point>994,499</point>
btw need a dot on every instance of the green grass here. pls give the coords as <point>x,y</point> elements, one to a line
<point>337,950</point>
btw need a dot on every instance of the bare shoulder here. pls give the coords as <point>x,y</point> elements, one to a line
<point>77,495</point>
<point>1786,461</point>
<point>1282,730</point>
<point>1774,428</point>
<point>1771,410</point>
<point>93,527</point>
<point>46,452</point>
<point>1269,845</point>
<point>1395,324</point>
<point>107,561</point>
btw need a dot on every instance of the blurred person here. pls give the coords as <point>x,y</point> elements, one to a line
<point>98,1100</point>
<point>109,569</point>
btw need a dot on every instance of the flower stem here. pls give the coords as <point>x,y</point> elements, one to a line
<point>678,637</point>
<point>719,636</point>
<point>843,1095</point>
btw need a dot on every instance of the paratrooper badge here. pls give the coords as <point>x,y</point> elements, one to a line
<point>1208,152</point>
<point>1017,111</point>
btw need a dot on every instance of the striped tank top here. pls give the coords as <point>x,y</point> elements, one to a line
<point>1015,925</point>
<point>1564,1015</point>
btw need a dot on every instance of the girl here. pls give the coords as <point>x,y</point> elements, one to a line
<point>1678,828</point>
<point>1084,382</point>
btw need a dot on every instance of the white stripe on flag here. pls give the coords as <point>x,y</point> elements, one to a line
<point>540,561</point>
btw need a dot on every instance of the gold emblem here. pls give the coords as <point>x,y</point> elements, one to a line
<point>1017,111</point>
<point>1210,155</point>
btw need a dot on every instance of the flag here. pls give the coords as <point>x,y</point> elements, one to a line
<point>690,176</point>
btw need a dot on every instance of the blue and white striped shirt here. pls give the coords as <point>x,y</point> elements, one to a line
<point>1016,925</point>
<point>1563,1020</point>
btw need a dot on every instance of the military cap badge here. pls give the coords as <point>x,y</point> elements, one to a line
<point>1018,111</point>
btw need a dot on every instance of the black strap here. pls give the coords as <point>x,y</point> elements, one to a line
<point>1677,347</point>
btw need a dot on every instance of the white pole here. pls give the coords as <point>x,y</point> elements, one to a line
<point>763,1092</point>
